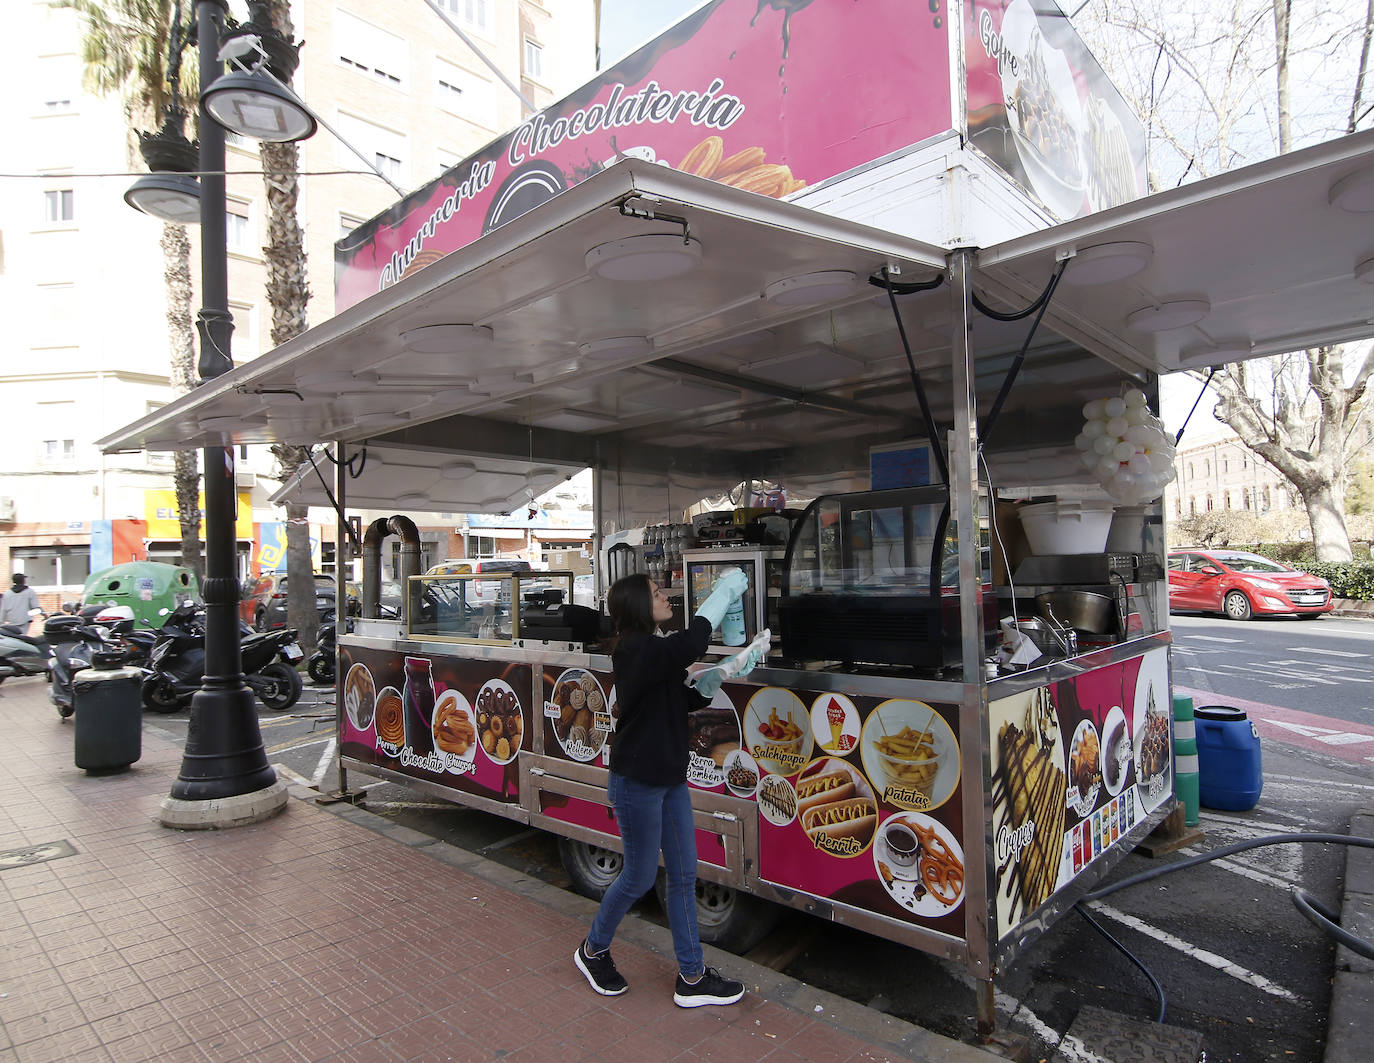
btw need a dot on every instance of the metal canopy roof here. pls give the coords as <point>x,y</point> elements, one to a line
<point>735,385</point>
<point>1264,246</point>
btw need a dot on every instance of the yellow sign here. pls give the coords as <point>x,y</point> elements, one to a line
<point>160,511</point>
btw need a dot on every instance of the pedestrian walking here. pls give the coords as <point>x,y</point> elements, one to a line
<point>18,606</point>
<point>648,781</point>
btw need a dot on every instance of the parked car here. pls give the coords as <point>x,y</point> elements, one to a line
<point>1241,585</point>
<point>263,601</point>
<point>389,598</point>
<point>483,591</point>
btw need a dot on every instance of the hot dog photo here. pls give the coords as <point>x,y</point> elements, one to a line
<point>836,807</point>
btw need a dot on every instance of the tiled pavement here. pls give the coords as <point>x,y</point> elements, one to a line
<point>320,936</point>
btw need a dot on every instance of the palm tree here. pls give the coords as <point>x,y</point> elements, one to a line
<point>128,47</point>
<point>287,293</point>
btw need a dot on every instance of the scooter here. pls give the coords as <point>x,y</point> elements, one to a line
<point>74,638</point>
<point>321,663</point>
<point>20,655</point>
<point>177,663</point>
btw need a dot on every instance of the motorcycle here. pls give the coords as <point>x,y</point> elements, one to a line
<point>321,663</point>
<point>21,655</point>
<point>177,664</point>
<point>75,637</point>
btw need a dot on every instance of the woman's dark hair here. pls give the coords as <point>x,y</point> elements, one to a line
<point>630,602</point>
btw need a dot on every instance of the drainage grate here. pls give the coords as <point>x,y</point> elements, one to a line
<point>36,854</point>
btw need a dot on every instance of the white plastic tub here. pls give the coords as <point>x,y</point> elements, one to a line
<point>1067,526</point>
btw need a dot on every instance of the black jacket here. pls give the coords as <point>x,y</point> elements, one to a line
<point>650,744</point>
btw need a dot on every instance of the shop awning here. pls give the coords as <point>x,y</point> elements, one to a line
<point>1268,254</point>
<point>514,350</point>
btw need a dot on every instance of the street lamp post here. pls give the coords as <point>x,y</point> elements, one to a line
<point>225,779</point>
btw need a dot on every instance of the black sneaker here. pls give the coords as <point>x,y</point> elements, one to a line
<point>712,988</point>
<point>600,972</point>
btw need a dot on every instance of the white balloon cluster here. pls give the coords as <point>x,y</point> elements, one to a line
<point>1127,448</point>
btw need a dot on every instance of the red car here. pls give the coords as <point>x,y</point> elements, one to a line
<point>1241,585</point>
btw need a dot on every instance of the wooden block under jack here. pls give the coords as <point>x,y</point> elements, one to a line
<point>1103,1035</point>
<point>1172,834</point>
<point>353,797</point>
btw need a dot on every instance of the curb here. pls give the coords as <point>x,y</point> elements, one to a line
<point>1352,607</point>
<point>898,1036</point>
<point>1350,1033</point>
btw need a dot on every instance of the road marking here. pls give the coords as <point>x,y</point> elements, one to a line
<point>1210,959</point>
<point>284,746</point>
<point>1306,784</point>
<point>1329,653</point>
<point>282,769</point>
<point>1322,734</point>
<point>326,760</point>
<point>1257,827</point>
<point>1284,884</point>
<point>1212,638</point>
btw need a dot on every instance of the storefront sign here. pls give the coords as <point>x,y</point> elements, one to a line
<point>771,96</point>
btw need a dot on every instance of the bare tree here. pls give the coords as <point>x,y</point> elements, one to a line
<point>1196,77</point>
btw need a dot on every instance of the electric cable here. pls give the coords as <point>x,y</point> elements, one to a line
<point>1038,308</point>
<point>1017,315</point>
<point>927,416</point>
<point>1322,917</point>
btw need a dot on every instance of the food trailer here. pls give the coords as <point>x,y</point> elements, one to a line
<point>860,271</point>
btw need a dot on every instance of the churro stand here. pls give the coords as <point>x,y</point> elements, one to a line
<point>871,311</point>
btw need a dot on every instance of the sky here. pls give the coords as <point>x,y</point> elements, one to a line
<point>626,24</point>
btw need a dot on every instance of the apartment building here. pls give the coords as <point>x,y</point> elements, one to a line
<point>85,349</point>
<point>1219,472</point>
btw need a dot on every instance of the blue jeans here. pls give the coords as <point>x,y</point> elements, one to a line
<point>654,818</point>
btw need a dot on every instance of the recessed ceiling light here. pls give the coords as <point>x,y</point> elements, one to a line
<point>446,339</point>
<point>616,347</point>
<point>809,289</point>
<point>1171,315</point>
<point>1354,192</point>
<point>1364,271</point>
<point>651,257</point>
<point>457,470</point>
<point>1105,263</point>
<point>412,500</point>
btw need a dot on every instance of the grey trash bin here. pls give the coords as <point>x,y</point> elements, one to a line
<point>109,715</point>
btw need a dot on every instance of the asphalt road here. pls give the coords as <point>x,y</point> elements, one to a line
<point>1234,958</point>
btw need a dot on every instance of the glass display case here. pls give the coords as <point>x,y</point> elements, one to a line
<point>763,566</point>
<point>482,608</point>
<point>874,577</point>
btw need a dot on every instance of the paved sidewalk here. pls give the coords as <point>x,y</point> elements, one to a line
<point>322,935</point>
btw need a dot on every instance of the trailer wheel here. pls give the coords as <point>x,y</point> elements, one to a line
<point>728,918</point>
<point>591,868</point>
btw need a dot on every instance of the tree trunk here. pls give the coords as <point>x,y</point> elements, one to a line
<point>1330,538</point>
<point>176,275</point>
<point>288,293</point>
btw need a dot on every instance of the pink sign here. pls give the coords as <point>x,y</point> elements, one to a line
<point>771,96</point>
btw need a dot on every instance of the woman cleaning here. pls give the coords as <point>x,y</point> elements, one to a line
<point>648,780</point>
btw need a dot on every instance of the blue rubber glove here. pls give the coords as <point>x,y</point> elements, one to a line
<point>711,679</point>
<point>728,588</point>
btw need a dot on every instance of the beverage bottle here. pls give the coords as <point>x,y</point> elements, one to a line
<point>732,627</point>
<point>419,706</point>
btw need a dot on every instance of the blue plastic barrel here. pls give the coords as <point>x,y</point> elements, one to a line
<point>1230,771</point>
